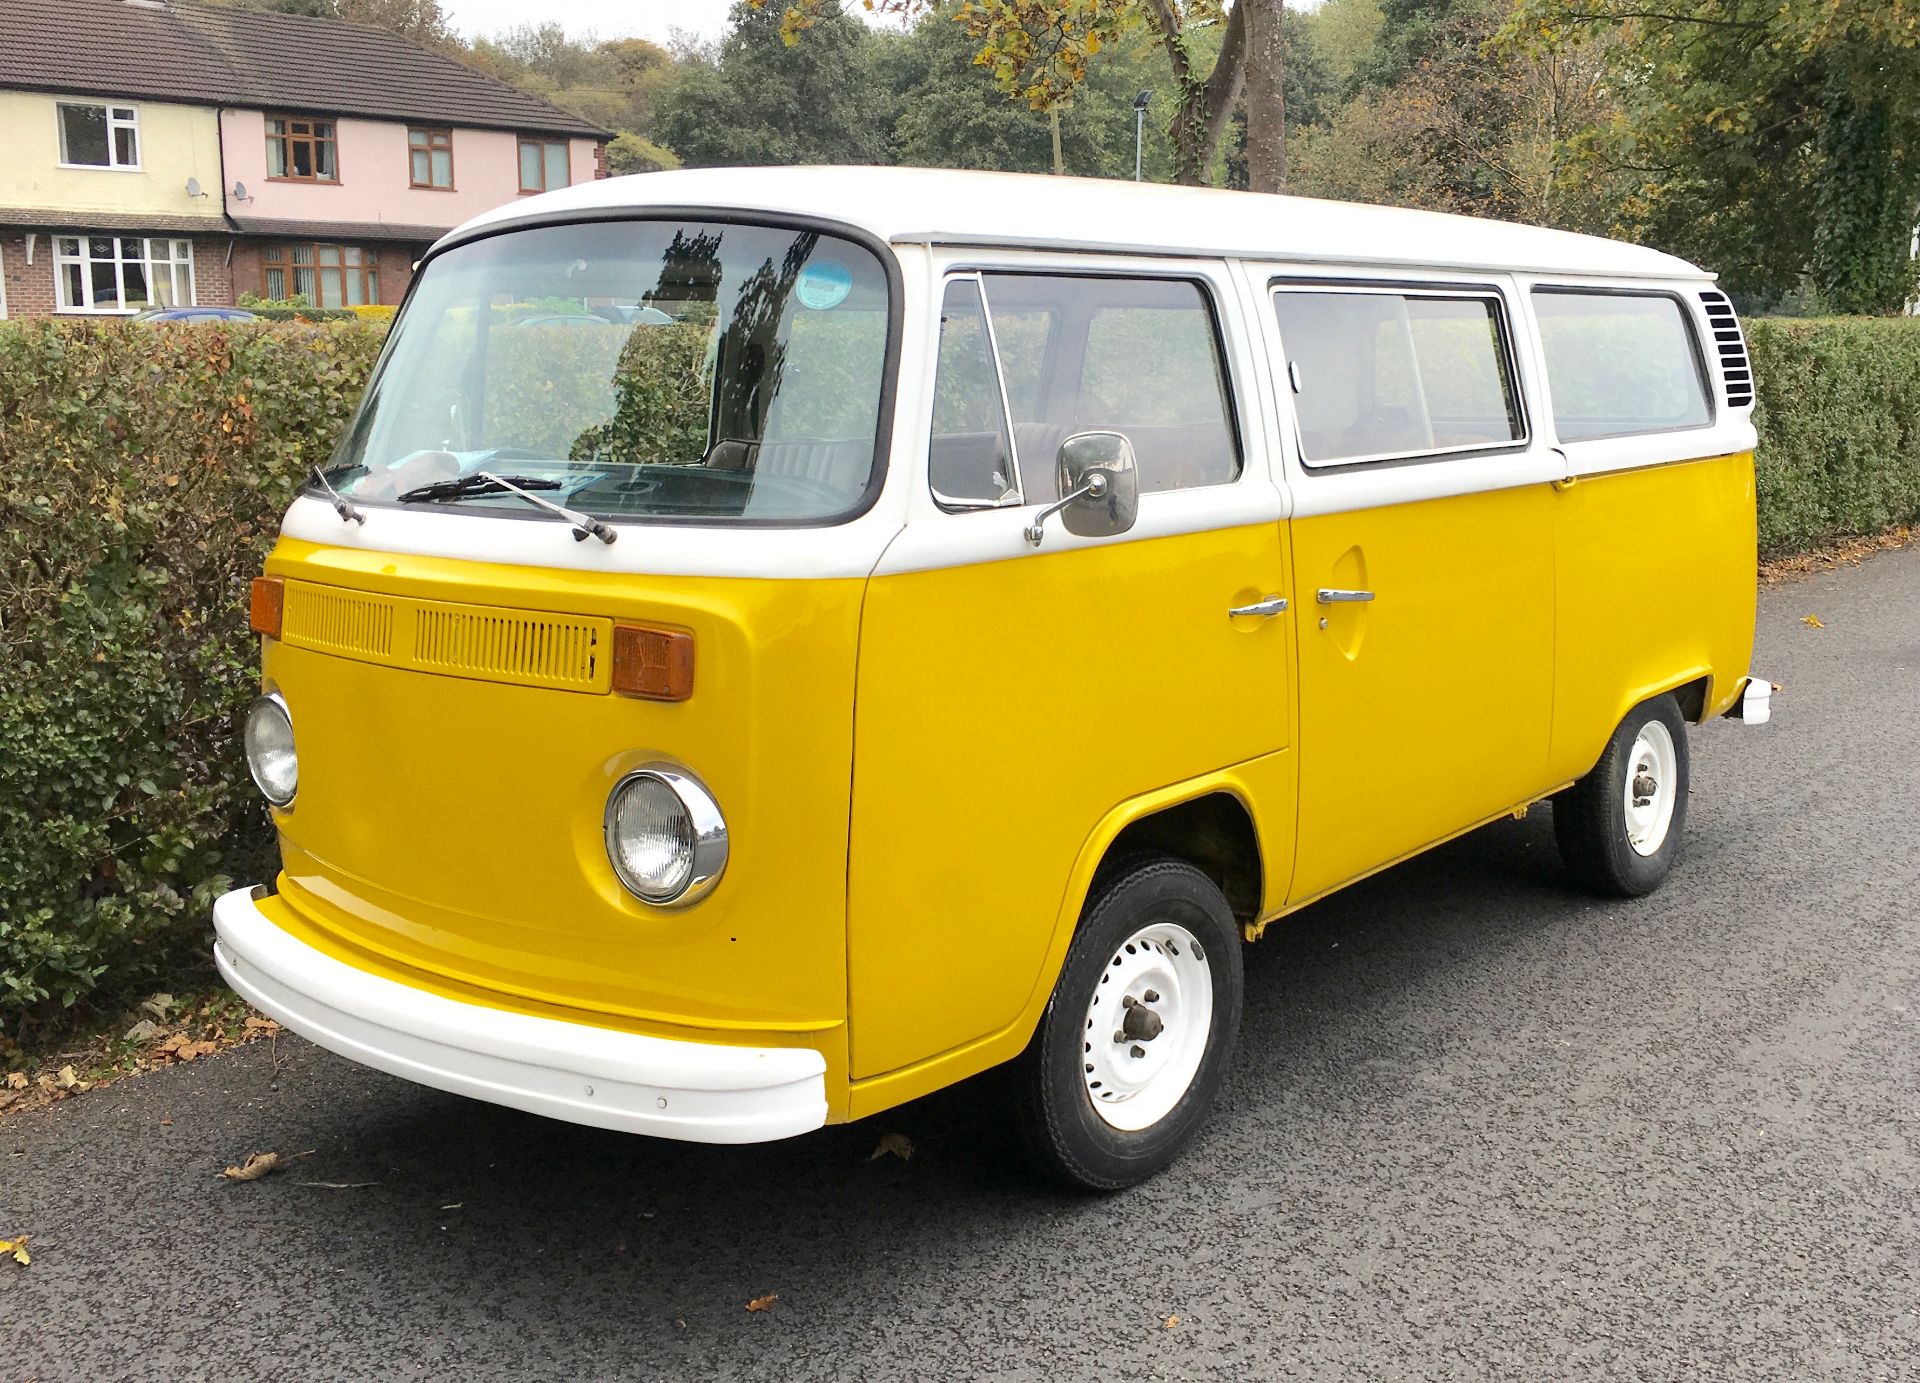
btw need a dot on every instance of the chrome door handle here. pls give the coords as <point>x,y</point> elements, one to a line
<point>1267,609</point>
<point>1327,597</point>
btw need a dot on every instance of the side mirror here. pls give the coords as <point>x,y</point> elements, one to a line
<point>1099,487</point>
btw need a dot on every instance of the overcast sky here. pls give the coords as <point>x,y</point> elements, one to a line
<point>604,18</point>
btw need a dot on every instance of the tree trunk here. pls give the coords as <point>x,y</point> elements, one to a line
<point>1200,115</point>
<point>1053,122</point>
<point>1266,96</point>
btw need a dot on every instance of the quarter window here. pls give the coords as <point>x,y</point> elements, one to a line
<point>1395,374</point>
<point>543,164</point>
<point>301,150</point>
<point>971,461</point>
<point>121,273</point>
<point>430,157</point>
<point>99,136</point>
<point>1139,356</point>
<point>1619,364</point>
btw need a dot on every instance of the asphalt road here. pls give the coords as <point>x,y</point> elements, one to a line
<point>1480,1127</point>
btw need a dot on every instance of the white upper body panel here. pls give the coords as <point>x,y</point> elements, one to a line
<point>947,207</point>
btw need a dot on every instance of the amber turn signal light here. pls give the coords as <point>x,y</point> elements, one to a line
<point>266,605</point>
<point>654,663</point>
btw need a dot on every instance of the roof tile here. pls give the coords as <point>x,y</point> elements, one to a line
<point>214,55</point>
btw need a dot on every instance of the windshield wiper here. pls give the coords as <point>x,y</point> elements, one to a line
<point>341,504</point>
<point>486,483</point>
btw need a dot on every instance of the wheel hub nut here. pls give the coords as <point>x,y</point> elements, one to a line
<point>1141,1023</point>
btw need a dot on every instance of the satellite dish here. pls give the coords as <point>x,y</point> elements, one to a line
<point>193,188</point>
<point>240,192</point>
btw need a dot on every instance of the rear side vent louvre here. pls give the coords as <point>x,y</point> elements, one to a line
<point>1735,367</point>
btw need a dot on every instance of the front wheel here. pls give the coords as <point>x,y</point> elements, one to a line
<point>1135,1041</point>
<point>1619,827</point>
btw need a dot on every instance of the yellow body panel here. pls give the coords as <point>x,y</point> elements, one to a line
<point>1655,589</point>
<point>452,825</point>
<point>908,862</point>
<point>1428,707</point>
<point>1005,710</point>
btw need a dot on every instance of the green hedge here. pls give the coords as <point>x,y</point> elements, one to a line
<point>1839,421</point>
<point>143,469</point>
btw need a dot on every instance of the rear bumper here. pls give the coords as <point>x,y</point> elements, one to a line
<point>1755,703</point>
<point>696,1091</point>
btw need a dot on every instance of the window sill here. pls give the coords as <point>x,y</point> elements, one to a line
<point>307,182</point>
<point>428,187</point>
<point>102,167</point>
<point>97,311</point>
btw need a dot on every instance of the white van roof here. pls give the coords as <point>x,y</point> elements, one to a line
<point>948,207</point>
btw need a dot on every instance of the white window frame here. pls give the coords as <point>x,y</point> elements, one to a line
<point>1463,290</point>
<point>179,254</point>
<point>118,118</point>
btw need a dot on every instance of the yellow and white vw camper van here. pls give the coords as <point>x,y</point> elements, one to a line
<point>777,642</point>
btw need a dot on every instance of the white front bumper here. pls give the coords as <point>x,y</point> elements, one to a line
<point>697,1091</point>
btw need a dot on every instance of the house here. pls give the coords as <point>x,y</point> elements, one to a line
<point>159,153</point>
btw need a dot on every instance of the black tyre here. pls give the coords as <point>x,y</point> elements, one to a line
<point>1619,827</point>
<point>1134,1045</point>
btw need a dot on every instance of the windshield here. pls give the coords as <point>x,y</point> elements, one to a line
<point>639,369</point>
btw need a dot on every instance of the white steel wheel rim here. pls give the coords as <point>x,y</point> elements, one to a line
<point>1147,1026</point>
<point>1652,788</point>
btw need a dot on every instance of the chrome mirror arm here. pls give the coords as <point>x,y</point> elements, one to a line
<point>1094,487</point>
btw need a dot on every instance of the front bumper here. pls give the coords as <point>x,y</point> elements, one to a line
<point>696,1091</point>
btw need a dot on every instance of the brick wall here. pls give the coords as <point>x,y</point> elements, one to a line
<point>600,160</point>
<point>30,287</point>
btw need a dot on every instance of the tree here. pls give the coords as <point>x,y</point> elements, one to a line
<point>420,20</point>
<point>1780,143</point>
<point>1041,50</point>
<point>754,99</point>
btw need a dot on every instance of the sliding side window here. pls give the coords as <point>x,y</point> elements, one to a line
<point>1619,364</point>
<point>1382,375</point>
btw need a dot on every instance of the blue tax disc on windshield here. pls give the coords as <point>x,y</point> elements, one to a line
<point>824,284</point>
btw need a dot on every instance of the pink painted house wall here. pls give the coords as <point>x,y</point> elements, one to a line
<point>374,174</point>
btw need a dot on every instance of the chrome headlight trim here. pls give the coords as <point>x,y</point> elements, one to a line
<point>275,702</point>
<point>709,834</point>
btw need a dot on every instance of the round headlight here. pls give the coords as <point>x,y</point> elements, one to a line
<point>270,756</point>
<point>665,836</point>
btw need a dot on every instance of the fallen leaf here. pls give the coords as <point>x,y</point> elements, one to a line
<point>7,1097</point>
<point>258,1165</point>
<point>897,1144</point>
<point>158,1005</point>
<point>143,1031</point>
<point>1813,621</point>
<point>1169,1323</point>
<point>16,1249</point>
<point>763,1303</point>
<point>17,1080</point>
<point>259,1024</point>
<point>69,1081</point>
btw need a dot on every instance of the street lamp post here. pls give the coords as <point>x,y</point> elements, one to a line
<point>1140,104</point>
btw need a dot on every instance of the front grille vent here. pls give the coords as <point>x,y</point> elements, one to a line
<point>1735,367</point>
<point>529,648</point>
<point>541,649</point>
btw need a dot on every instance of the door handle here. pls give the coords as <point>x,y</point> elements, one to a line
<point>1328,597</point>
<point>1266,609</point>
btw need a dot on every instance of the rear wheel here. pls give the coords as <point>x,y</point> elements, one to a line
<point>1619,827</point>
<point>1134,1045</point>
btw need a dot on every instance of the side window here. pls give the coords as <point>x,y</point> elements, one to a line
<point>1379,375</point>
<point>971,460</point>
<point>1140,356</point>
<point>1619,363</point>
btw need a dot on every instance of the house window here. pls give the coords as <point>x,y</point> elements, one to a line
<point>99,136</point>
<point>543,164</point>
<point>121,273</point>
<point>322,275</point>
<point>301,150</point>
<point>430,157</point>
